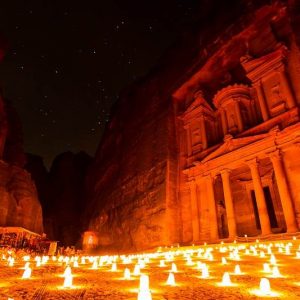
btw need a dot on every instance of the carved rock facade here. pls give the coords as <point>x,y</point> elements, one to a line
<point>209,149</point>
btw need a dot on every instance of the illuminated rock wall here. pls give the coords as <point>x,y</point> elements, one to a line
<point>238,125</point>
<point>129,177</point>
<point>159,176</point>
<point>19,203</point>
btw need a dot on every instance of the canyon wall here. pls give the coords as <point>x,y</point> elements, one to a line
<point>62,194</point>
<point>133,183</point>
<point>19,203</point>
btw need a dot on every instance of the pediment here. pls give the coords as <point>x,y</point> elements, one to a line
<point>230,144</point>
<point>198,104</point>
<point>251,64</point>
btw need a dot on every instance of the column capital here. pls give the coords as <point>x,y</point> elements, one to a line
<point>192,186</point>
<point>275,155</point>
<point>253,162</point>
<point>210,176</point>
<point>191,182</point>
<point>225,172</point>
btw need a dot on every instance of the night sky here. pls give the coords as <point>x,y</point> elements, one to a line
<point>68,61</point>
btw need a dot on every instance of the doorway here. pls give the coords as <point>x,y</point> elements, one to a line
<point>270,208</point>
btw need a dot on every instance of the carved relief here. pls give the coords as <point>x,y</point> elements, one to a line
<point>271,82</point>
<point>234,104</point>
<point>274,94</point>
<point>200,125</point>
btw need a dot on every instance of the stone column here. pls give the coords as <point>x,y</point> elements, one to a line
<point>195,211</point>
<point>239,116</point>
<point>203,133</point>
<point>261,100</point>
<point>290,102</point>
<point>229,203</point>
<point>224,121</point>
<point>285,196</point>
<point>189,141</point>
<point>260,198</point>
<point>213,222</point>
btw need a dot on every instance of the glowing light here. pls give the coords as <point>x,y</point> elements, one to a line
<point>142,264</point>
<point>224,261</point>
<point>264,287</point>
<point>26,273</point>
<point>127,274</point>
<point>189,261</point>
<point>273,259</point>
<point>237,270</point>
<point>199,265</point>
<point>26,258</point>
<point>226,279</point>
<point>11,261</point>
<point>136,271</point>
<point>114,267</point>
<point>267,268</point>
<point>173,268</point>
<point>171,279</point>
<point>26,266</point>
<point>68,282</point>
<point>162,263</point>
<point>210,257</point>
<point>67,272</point>
<point>144,291</point>
<point>205,273</point>
<point>95,265</point>
<point>45,259</point>
<point>275,272</point>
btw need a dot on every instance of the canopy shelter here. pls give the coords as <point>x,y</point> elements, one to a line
<point>18,237</point>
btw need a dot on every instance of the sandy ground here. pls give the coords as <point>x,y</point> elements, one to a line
<point>46,281</point>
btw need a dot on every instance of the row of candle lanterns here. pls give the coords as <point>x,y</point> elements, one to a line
<point>203,253</point>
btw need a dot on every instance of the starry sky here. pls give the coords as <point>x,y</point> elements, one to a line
<point>68,61</point>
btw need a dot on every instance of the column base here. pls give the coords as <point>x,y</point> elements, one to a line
<point>266,233</point>
<point>292,229</point>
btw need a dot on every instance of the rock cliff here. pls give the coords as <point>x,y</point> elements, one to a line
<point>20,205</point>
<point>62,194</point>
<point>134,181</point>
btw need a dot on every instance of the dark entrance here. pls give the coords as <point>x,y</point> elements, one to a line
<point>270,208</point>
<point>255,209</point>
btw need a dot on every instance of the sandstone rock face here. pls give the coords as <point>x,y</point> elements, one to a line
<point>127,182</point>
<point>62,194</point>
<point>19,203</point>
<point>139,196</point>
<point>19,200</point>
<point>133,183</point>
